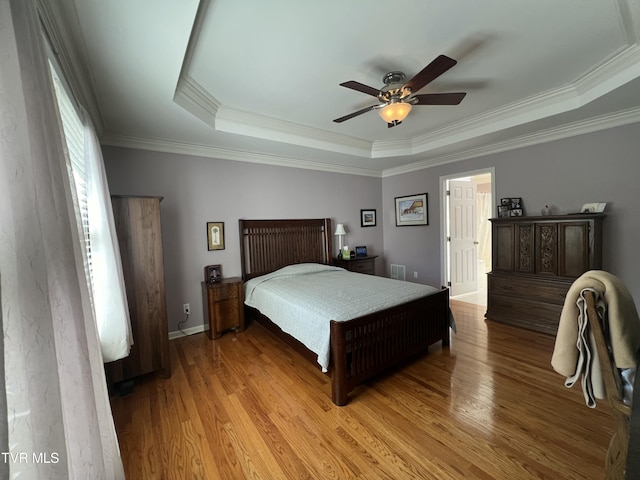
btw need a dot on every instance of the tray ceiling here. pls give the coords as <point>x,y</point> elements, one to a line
<point>259,81</point>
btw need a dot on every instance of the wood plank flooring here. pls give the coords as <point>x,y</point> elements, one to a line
<point>246,406</point>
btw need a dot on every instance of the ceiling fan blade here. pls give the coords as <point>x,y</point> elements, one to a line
<point>430,72</point>
<point>361,87</point>
<point>437,99</point>
<point>354,114</point>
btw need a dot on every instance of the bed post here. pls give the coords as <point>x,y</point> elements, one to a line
<point>327,243</point>
<point>339,388</point>
<point>446,337</point>
<point>243,265</point>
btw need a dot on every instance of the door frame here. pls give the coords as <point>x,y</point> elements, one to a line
<point>444,213</point>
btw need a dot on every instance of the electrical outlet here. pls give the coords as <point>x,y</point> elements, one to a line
<point>415,274</point>
<point>187,308</point>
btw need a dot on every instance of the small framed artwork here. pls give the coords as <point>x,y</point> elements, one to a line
<point>215,235</point>
<point>511,207</point>
<point>361,251</point>
<point>593,207</point>
<point>212,273</point>
<point>368,218</point>
<point>412,210</point>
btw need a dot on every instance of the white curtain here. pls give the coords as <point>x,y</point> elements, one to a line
<point>57,415</point>
<point>109,294</point>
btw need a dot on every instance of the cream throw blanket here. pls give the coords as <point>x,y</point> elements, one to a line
<point>574,354</point>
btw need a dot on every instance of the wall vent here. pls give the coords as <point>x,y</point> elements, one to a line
<point>397,272</point>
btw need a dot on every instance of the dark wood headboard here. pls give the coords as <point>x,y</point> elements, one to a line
<point>267,245</point>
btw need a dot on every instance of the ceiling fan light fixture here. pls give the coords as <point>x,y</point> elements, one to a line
<point>395,112</point>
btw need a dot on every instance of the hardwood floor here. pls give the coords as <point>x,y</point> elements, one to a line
<point>246,406</point>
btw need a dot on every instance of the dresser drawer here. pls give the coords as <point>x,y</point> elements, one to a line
<point>362,267</point>
<point>534,289</point>
<point>358,265</point>
<point>524,312</point>
<point>224,292</point>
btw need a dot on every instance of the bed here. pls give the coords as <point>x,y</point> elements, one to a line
<point>360,347</point>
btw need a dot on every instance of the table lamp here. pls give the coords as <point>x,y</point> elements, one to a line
<point>340,232</point>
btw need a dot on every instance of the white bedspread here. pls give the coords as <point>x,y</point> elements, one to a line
<point>302,299</point>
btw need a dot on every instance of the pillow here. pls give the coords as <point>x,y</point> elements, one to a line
<point>304,269</point>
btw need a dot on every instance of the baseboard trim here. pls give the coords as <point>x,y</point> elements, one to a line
<point>186,332</point>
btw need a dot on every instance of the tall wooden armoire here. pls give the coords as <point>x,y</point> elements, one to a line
<point>137,221</point>
<point>534,262</point>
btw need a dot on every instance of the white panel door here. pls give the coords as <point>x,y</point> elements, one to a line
<point>463,230</point>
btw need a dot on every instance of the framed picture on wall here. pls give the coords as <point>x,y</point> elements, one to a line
<point>412,210</point>
<point>215,235</point>
<point>368,218</point>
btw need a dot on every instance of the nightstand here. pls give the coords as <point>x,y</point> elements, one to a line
<point>223,305</point>
<point>358,264</point>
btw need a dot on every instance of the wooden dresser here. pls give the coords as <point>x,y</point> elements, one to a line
<point>223,305</point>
<point>137,221</point>
<point>534,262</point>
<point>358,264</point>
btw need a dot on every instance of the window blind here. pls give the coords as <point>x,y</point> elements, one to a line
<point>94,223</point>
<point>75,142</point>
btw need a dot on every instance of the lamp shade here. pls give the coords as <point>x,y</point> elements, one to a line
<point>340,229</point>
<point>395,112</point>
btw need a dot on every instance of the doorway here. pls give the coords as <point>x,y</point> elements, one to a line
<point>468,200</point>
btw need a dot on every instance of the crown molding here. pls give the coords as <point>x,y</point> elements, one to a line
<point>603,122</point>
<point>565,131</point>
<point>244,123</point>
<point>168,146</point>
<point>622,68</point>
<point>194,98</point>
<point>611,74</point>
<point>191,96</point>
<point>629,17</point>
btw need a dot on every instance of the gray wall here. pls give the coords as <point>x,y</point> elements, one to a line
<point>601,166</point>
<point>198,190</point>
<point>597,167</point>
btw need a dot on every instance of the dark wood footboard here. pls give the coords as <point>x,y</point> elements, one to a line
<point>362,347</point>
<point>366,346</point>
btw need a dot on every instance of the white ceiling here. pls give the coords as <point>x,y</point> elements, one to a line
<point>259,81</point>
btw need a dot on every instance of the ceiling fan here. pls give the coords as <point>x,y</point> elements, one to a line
<point>396,97</point>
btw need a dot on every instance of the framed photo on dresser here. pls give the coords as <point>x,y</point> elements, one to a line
<point>212,273</point>
<point>510,207</point>
<point>503,211</point>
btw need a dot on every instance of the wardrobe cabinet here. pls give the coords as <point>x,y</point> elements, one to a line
<point>534,262</point>
<point>138,227</point>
